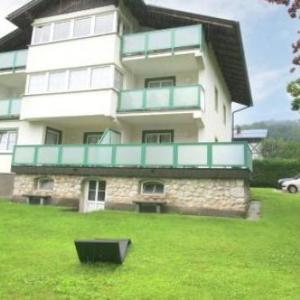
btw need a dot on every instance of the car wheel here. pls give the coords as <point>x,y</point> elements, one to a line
<point>292,189</point>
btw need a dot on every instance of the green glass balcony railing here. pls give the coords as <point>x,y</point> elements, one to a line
<point>162,40</point>
<point>200,155</point>
<point>167,98</point>
<point>10,108</point>
<point>13,60</point>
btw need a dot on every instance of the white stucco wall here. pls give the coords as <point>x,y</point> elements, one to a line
<point>72,104</point>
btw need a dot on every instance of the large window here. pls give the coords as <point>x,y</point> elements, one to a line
<point>37,83</point>
<point>104,24</point>
<point>57,81</point>
<point>8,139</point>
<point>76,79</point>
<point>75,28</point>
<point>158,137</point>
<point>82,27</point>
<point>62,30</point>
<point>101,77</point>
<point>42,34</point>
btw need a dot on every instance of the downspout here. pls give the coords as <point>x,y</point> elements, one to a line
<point>233,116</point>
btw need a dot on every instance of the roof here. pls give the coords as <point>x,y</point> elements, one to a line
<point>224,35</point>
<point>251,134</point>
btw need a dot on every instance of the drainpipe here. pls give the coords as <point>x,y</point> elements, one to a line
<point>233,116</point>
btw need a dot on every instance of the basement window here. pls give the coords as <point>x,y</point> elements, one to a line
<point>153,188</point>
<point>45,184</point>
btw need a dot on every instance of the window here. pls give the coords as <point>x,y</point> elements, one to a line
<point>53,136</point>
<point>153,188</point>
<point>37,83</point>
<point>57,81</point>
<point>62,31</point>
<point>8,139</point>
<point>216,100</point>
<point>42,34</point>
<point>92,137</point>
<point>96,191</point>
<point>158,137</point>
<point>104,24</point>
<point>101,77</point>
<point>224,114</point>
<point>160,82</point>
<point>45,184</point>
<point>78,79</point>
<point>82,27</point>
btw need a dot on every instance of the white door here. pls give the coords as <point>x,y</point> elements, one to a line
<point>95,195</point>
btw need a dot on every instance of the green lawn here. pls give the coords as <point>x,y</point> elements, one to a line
<point>172,256</point>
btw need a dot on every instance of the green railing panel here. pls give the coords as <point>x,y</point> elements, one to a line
<point>197,155</point>
<point>10,108</point>
<point>13,59</point>
<point>166,98</point>
<point>162,40</point>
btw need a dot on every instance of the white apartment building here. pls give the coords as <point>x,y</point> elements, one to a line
<point>105,103</point>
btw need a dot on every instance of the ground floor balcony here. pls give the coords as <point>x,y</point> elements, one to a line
<point>192,155</point>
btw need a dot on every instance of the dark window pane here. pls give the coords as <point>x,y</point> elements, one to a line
<point>101,196</point>
<point>102,185</point>
<point>92,185</point>
<point>92,195</point>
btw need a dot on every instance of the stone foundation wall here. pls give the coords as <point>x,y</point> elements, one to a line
<point>197,196</point>
<point>6,185</point>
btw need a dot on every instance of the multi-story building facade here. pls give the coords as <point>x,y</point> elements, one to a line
<point>104,103</point>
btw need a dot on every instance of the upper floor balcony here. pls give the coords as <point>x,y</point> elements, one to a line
<point>164,98</point>
<point>175,49</point>
<point>13,61</point>
<point>10,108</point>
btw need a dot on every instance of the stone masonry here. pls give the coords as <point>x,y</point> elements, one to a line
<point>195,196</point>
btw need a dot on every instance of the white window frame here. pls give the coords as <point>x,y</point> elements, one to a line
<point>92,31</point>
<point>97,190</point>
<point>46,90</point>
<point>9,131</point>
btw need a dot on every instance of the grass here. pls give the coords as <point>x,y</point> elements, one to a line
<point>172,256</point>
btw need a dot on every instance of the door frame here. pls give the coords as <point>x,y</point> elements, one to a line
<point>147,80</point>
<point>86,200</point>
<point>60,133</point>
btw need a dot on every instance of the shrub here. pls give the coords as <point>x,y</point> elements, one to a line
<point>267,172</point>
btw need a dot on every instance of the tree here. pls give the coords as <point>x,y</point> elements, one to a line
<point>294,87</point>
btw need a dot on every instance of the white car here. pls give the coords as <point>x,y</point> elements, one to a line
<point>291,186</point>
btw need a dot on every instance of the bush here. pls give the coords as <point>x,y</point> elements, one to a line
<point>267,172</point>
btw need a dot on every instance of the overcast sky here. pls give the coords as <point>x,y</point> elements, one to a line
<point>267,33</point>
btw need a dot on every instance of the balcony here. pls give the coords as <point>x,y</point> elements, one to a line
<point>10,109</point>
<point>13,60</point>
<point>217,155</point>
<point>175,49</point>
<point>157,99</point>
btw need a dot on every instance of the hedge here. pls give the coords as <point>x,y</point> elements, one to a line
<point>267,172</point>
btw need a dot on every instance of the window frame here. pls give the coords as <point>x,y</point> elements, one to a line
<point>87,134</point>
<point>146,132</point>
<point>149,80</point>
<point>69,21</point>
<point>38,184</point>
<point>154,183</point>
<point>36,27</point>
<point>59,132</point>
<point>9,131</point>
<point>97,190</point>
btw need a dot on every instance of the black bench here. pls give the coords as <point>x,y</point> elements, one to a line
<point>159,205</point>
<point>38,199</point>
<point>104,250</point>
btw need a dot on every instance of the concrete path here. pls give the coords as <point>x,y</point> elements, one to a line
<point>254,212</point>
